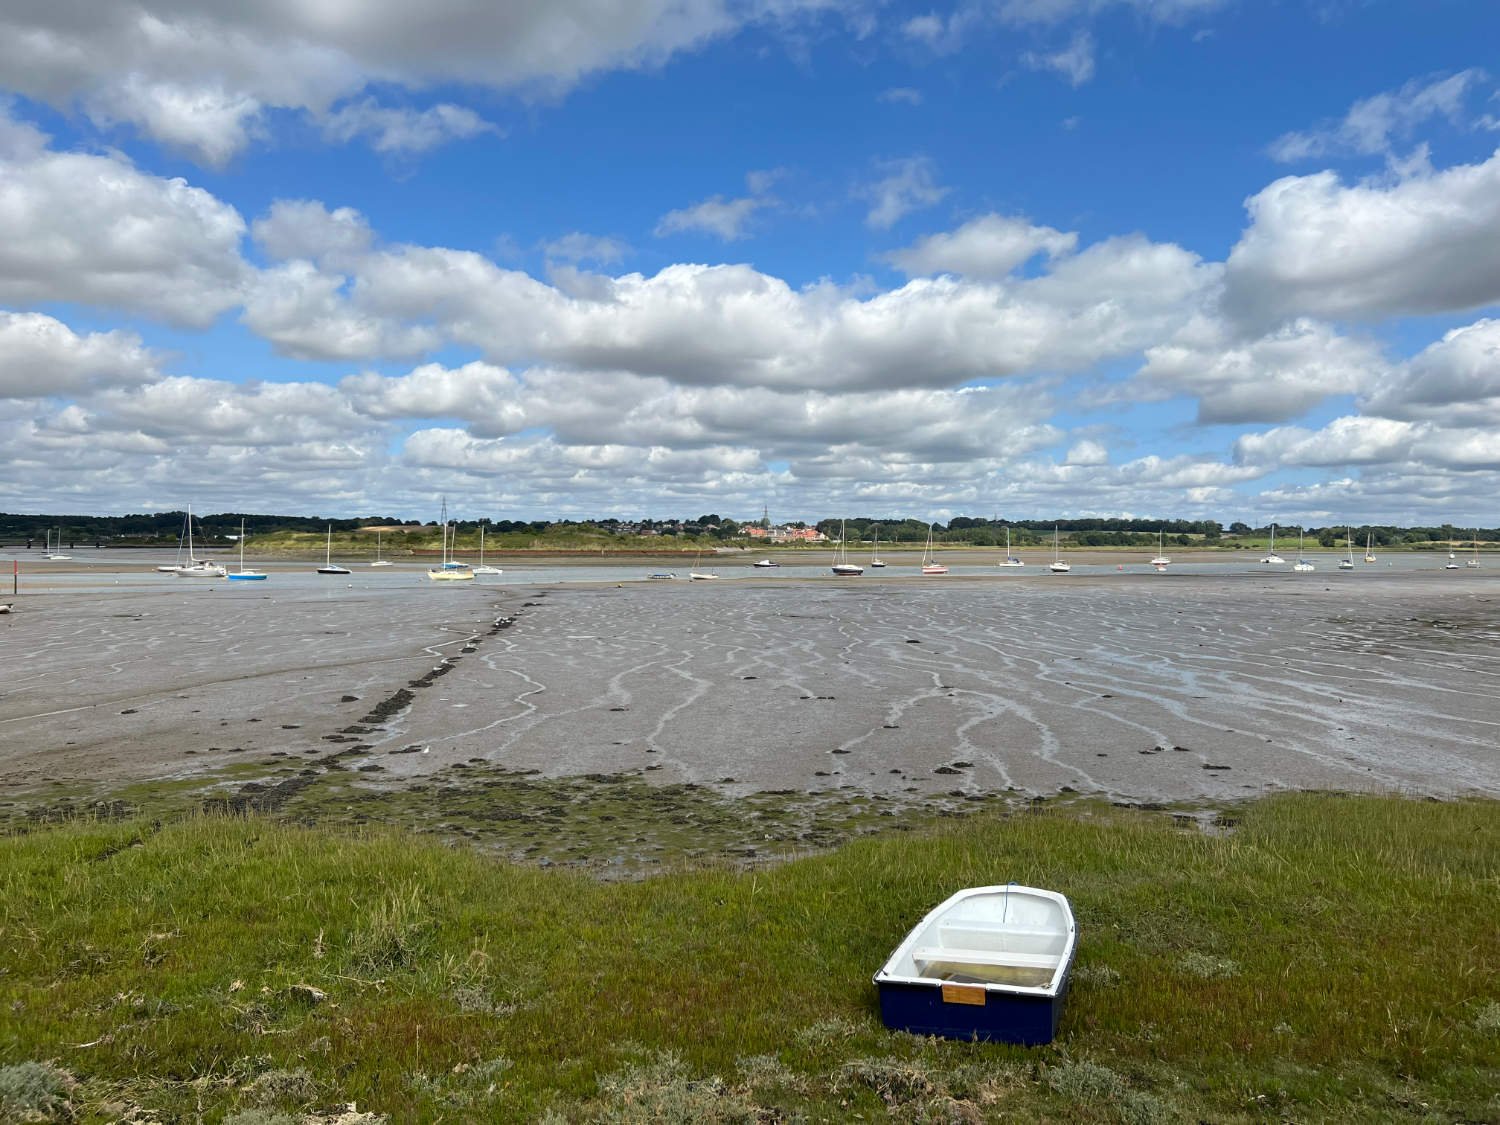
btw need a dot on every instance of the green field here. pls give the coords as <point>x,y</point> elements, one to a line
<point>1311,958</point>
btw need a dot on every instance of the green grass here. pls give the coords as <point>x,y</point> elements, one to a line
<point>1329,958</point>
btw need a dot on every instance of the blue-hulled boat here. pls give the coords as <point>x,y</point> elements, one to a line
<point>990,963</point>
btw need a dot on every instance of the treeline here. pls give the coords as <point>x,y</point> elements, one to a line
<point>166,527</point>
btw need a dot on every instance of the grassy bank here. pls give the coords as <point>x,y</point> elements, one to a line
<point>1326,958</point>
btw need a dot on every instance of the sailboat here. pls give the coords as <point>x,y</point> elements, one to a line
<point>1057,566</point>
<point>1010,559</point>
<point>451,570</point>
<point>875,559</point>
<point>176,565</point>
<point>329,566</point>
<point>1301,565</point>
<point>701,575</point>
<point>1271,555</point>
<point>481,568</point>
<point>1161,562</point>
<point>378,560</point>
<point>841,564</point>
<point>54,554</point>
<point>930,565</point>
<point>1347,562</point>
<point>243,575</point>
<point>198,568</point>
<point>1369,546</point>
<point>1474,562</point>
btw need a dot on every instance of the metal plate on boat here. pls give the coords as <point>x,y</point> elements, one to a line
<point>963,994</point>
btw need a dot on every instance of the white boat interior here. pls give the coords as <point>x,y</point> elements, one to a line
<point>1020,938</point>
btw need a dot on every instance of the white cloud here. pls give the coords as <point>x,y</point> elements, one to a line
<point>724,218</point>
<point>901,95</point>
<point>203,77</point>
<point>94,229</point>
<point>1454,381</point>
<point>579,247</point>
<point>404,131</point>
<point>1088,452</point>
<point>1075,62</point>
<point>303,312</point>
<point>305,228</point>
<point>1315,247</point>
<point>1373,125</point>
<point>907,185</point>
<point>988,248</point>
<point>1271,378</point>
<point>1056,11</point>
<point>42,357</point>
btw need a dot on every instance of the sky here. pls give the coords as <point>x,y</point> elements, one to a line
<point>1027,259</point>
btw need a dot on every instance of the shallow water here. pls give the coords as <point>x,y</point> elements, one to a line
<point>1210,681</point>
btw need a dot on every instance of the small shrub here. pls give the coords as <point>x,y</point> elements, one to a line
<point>827,1033</point>
<point>1097,976</point>
<point>1488,1018</point>
<point>894,1081</point>
<point>33,1091</point>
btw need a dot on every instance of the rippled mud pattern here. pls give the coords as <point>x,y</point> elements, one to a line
<point>1161,688</point>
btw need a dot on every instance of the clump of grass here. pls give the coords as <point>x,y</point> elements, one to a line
<point>35,1091</point>
<point>659,1090</point>
<point>1488,1016</point>
<point>1207,966</point>
<point>1095,1085</point>
<point>393,935</point>
<point>283,1087</point>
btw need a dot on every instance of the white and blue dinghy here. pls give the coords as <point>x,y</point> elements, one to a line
<point>990,963</point>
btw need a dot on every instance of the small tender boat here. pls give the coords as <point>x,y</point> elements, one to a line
<point>662,575</point>
<point>5,607</point>
<point>990,963</point>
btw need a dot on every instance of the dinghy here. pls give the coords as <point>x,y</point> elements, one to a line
<point>990,963</point>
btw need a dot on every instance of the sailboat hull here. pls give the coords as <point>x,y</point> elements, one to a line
<point>247,577</point>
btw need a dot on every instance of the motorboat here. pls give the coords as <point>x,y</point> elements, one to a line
<point>988,963</point>
<point>765,564</point>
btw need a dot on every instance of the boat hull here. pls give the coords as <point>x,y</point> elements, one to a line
<point>922,1009</point>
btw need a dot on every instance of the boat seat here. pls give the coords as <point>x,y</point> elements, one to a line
<point>933,954</point>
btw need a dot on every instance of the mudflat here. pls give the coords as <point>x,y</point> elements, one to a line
<point>1184,686</point>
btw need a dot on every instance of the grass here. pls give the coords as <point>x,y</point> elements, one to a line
<point>1330,958</point>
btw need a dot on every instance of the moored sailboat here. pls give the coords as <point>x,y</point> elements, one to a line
<point>1271,555</point>
<point>841,564</point>
<point>930,565</point>
<point>1009,559</point>
<point>329,566</point>
<point>1057,565</point>
<point>243,575</point>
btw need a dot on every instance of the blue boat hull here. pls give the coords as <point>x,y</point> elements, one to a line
<point>1000,1018</point>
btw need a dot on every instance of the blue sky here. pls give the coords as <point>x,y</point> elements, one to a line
<point>1197,258</point>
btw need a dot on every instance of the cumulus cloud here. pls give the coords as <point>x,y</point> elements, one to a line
<point>305,228</point>
<point>989,247</point>
<point>96,230</point>
<point>1271,378</point>
<point>1373,125</point>
<point>1316,247</point>
<point>203,77</point>
<point>42,357</point>
<point>1456,380</point>
<point>905,186</point>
